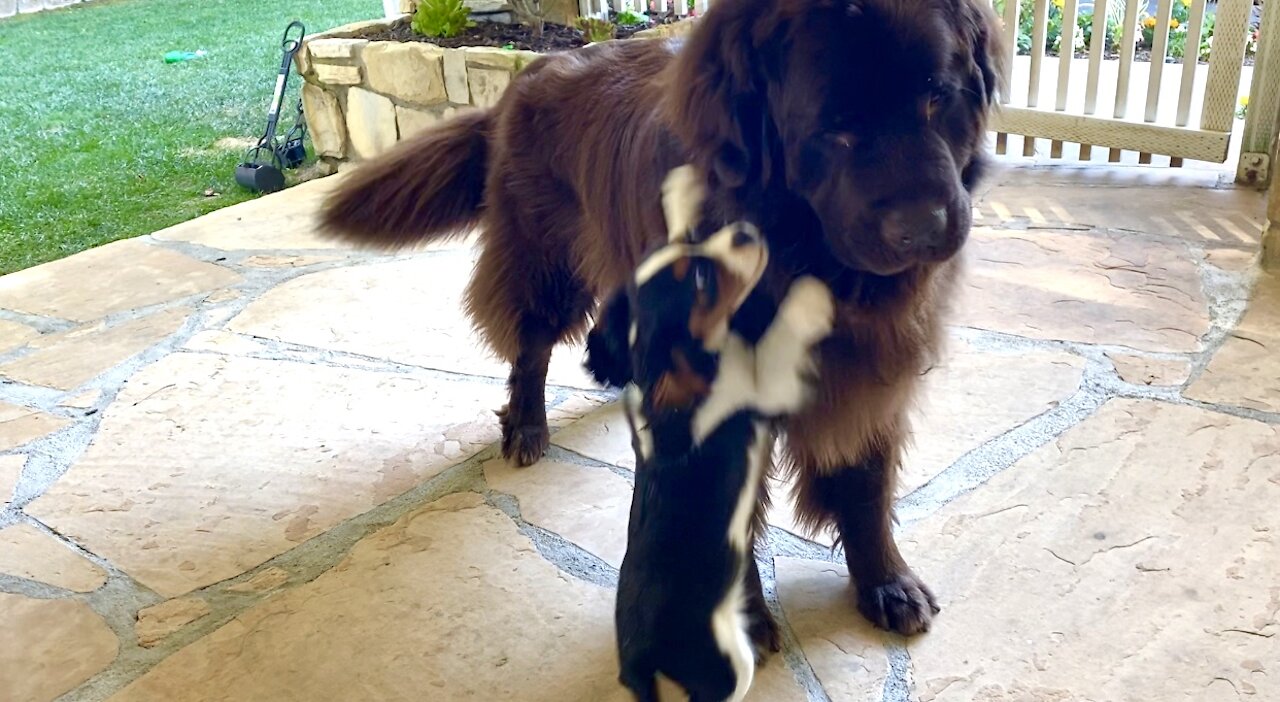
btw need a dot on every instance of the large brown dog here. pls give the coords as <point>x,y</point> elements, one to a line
<point>849,130</point>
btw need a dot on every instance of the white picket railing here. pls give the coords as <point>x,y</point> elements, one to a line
<point>1075,118</point>
<point>680,8</point>
<point>1181,112</point>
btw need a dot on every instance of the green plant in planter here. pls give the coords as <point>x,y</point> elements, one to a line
<point>627,18</point>
<point>596,29</point>
<point>1178,42</point>
<point>441,18</point>
<point>1082,38</point>
<point>1206,36</point>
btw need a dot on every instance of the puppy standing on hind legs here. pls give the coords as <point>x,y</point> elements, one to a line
<point>699,402</point>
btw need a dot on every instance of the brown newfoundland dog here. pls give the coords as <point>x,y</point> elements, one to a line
<point>850,131</point>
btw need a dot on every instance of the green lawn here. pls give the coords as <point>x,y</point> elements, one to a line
<point>101,140</point>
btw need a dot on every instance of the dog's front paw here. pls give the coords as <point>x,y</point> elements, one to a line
<point>809,309</point>
<point>903,605</point>
<point>522,444</point>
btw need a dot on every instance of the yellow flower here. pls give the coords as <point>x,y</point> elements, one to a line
<point>1186,3</point>
<point>1059,3</point>
<point>1173,23</point>
<point>1149,23</point>
<point>1244,101</point>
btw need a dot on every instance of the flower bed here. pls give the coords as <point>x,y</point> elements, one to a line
<point>362,95</point>
<point>1082,36</point>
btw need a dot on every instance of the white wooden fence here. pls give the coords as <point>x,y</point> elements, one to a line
<point>680,8</point>
<point>1202,134</point>
<point>1115,102</point>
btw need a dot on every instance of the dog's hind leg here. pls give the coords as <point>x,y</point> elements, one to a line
<point>524,302</point>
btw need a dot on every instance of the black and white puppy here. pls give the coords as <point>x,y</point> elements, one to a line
<point>699,400</point>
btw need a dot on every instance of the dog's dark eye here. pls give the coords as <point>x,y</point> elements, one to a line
<point>939,96</point>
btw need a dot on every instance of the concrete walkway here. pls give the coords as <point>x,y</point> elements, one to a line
<point>241,464</point>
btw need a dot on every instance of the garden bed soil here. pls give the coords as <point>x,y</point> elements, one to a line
<point>554,37</point>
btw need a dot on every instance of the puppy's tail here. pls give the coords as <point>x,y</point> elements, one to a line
<point>426,189</point>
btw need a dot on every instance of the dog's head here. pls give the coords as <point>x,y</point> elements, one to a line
<point>664,331</point>
<point>870,112</point>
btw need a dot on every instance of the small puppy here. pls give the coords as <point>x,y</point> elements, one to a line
<point>700,401</point>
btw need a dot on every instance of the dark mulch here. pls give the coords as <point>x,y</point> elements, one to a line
<point>510,36</point>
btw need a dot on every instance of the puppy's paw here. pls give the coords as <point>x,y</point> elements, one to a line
<point>766,639</point>
<point>682,195</point>
<point>522,443</point>
<point>904,604</point>
<point>809,309</point>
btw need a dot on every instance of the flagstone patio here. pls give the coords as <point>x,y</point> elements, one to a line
<point>241,463</point>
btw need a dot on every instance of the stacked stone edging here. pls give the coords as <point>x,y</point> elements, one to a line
<point>361,97</point>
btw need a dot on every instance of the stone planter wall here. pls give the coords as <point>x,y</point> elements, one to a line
<point>9,8</point>
<point>361,97</point>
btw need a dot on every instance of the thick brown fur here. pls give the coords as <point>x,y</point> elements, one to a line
<point>850,131</point>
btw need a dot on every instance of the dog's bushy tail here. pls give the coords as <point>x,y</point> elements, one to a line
<point>426,189</point>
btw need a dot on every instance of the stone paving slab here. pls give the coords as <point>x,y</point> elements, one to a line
<point>1130,554</point>
<point>1246,370</point>
<point>10,470</point>
<point>441,604</point>
<point>262,223</point>
<point>206,466</point>
<point>406,311</point>
<point>593,514</point>
<point>1144,370</point>
<point>849,656</point>
<point>19,425</point>
<point>1233,217</point>
<point>280,457</point>
<point>14,335</point>
<point>1090,287</point>
<point>162,620</point>
<point>67,360</point>
<point>602,435</point>
<point>27,552</point>
<point>118,277</point>
<point>48,647</point>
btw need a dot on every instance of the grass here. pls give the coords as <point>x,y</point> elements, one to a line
<point>101,140</point>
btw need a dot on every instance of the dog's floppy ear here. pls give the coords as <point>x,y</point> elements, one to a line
<point>982,30</point>
<point>608,344</point>
<point>988,77</point>
<point>715,99</point>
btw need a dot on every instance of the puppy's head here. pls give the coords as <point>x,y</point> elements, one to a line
<point>664,331</point>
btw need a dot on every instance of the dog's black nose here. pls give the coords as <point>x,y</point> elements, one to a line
<point>919,229</point>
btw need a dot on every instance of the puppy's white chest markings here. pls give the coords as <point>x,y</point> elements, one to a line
<point>770,378</point>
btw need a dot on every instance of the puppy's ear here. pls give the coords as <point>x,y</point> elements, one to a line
<point>716,93</point>
<point>608,344</point>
